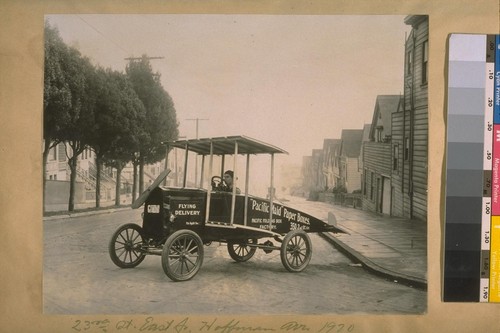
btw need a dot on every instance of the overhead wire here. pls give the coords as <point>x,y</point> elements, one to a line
<point>103,35</point>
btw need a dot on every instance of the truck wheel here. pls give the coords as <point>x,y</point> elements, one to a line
<point>240,251</point>
<point>182,255</point>
<point>296,251</point>
<point>125,246</point>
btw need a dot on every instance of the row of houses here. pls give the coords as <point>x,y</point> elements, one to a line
<point>386,162</point>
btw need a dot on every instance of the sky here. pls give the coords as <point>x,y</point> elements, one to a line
<point>289,80</point>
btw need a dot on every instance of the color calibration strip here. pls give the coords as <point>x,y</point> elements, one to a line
<point>487,162</point>
<point>494,285</point>
<point>472,216</point>
<point>465,171</point>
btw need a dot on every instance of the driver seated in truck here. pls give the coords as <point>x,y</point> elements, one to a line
<point>228,179</point>
<point>225,184</point>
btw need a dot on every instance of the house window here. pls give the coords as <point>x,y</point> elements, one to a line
<point>53,154</point>
<point>425,60</point>
<point>379,131</point>
<point>61,152</point>
<point>395,157</point>
<point>407,148</point>
<point>409,62</point>
<point>372,185</point>
<point>365,182</point>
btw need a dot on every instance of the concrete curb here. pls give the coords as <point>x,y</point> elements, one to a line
<point>88,213</point>
<point>373,267</point>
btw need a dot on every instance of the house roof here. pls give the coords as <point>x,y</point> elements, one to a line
<point>385,105</point>
<point>329,148</point>
<point>415,20</point>
<point>329,144</point>
<point>351,142</point>
<point>317,153</point>
<point>366,132</point>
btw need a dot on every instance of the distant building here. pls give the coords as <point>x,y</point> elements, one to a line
<point>365,138</point>
<point>57,175</point>
<point>410,127</point>
<point>377,152</point>
<point>388,159</point>
<point>317,174</point>
<point>307,173</point>
<point>331,162</point>
<point>350,174</point>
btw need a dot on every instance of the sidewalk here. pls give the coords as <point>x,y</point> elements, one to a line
<point>395,248</point>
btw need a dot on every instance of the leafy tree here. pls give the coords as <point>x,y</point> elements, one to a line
<point>160,124</point>
<point>57,95</point>
<point>117,115</point>
<point>122,117</point>
<point>82,82</point>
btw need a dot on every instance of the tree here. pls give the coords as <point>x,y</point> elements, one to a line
<point>56,95</point>
<point>82,82</point>
<point>69,94</point>
<point>117,113</point>
<point>126,146</point>
<point>160,124</point>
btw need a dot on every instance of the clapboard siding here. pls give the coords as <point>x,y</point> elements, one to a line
<point>353,176</point>
<point>409,180</point>
<point>377,157</point>
<point>415,89</point>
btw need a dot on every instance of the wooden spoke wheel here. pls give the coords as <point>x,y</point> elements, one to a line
<point>182,255</point>
<point>296,251</point>
<point>240,251</point>
<point>125,246</point>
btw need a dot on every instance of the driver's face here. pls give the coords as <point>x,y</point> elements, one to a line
<point>228,180</point>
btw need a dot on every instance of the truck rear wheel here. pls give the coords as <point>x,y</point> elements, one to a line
<point>296,251</point>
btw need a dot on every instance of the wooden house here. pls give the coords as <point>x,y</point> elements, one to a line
<point>331,158</point>
<point>350,174</point>
<point>377,156</point>
<point>410,127</point>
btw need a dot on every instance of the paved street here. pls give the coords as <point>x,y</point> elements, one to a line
<point>79,278</point>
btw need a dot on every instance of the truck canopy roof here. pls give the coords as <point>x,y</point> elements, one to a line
<point>226,146</point>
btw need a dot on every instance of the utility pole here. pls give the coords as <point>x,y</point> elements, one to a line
<point>176,170</point>
<point>137,59</point>
<point>197,124</point>
<point>197,120</point>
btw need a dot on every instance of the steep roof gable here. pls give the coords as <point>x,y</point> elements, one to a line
<point>351,142</point>
<point>385,105</point>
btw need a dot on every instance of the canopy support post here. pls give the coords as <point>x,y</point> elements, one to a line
<point>166,164</point>
<point>271,196</point>
<point>209,192</point>
<point>233,197</point>
<point>184,181</point>
<point>202,178</point>
<point>247,182</point>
